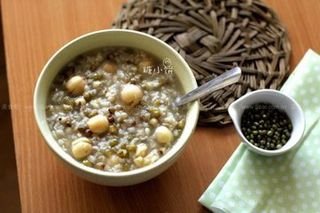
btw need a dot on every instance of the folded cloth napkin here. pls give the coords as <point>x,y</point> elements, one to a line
<point>287,183</point>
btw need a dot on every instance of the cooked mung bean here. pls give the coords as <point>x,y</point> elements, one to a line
<point>111,109</point>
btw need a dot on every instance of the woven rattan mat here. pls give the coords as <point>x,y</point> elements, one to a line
<point>214,36</point>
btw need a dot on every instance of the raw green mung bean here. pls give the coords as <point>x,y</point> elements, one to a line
<point>265,126</point>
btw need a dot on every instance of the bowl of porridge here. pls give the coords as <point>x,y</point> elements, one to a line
<point>104,106</point>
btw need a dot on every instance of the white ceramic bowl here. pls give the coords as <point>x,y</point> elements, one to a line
<point>106,38</point>
<point>278,99</point>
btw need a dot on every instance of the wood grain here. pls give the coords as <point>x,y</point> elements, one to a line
<point>33,31</point>
<point>9,189</point>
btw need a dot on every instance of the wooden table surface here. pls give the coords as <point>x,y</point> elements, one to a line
<point>33,31</point>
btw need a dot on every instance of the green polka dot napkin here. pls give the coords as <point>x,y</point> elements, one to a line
<point>287,183</point>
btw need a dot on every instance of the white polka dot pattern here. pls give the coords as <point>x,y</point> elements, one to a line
<point>287,183</point>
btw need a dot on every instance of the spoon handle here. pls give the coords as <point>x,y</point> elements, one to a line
<point>223,80</point>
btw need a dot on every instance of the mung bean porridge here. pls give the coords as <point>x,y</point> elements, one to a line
<point>111,109</point>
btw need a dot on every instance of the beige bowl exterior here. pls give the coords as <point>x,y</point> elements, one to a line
<point>107,38</point>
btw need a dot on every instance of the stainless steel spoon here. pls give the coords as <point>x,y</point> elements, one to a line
<point>223,80</point>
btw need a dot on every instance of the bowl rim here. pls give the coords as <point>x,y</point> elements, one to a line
<point>258,149</point>
<point>167,158</point>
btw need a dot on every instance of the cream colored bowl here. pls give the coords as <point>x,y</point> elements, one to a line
<point>106,38</point>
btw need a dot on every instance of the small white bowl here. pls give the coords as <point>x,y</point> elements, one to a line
<point>278,99</point>
<point>100,39</point>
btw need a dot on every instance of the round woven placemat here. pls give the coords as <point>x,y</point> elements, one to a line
<point>213,36</point>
